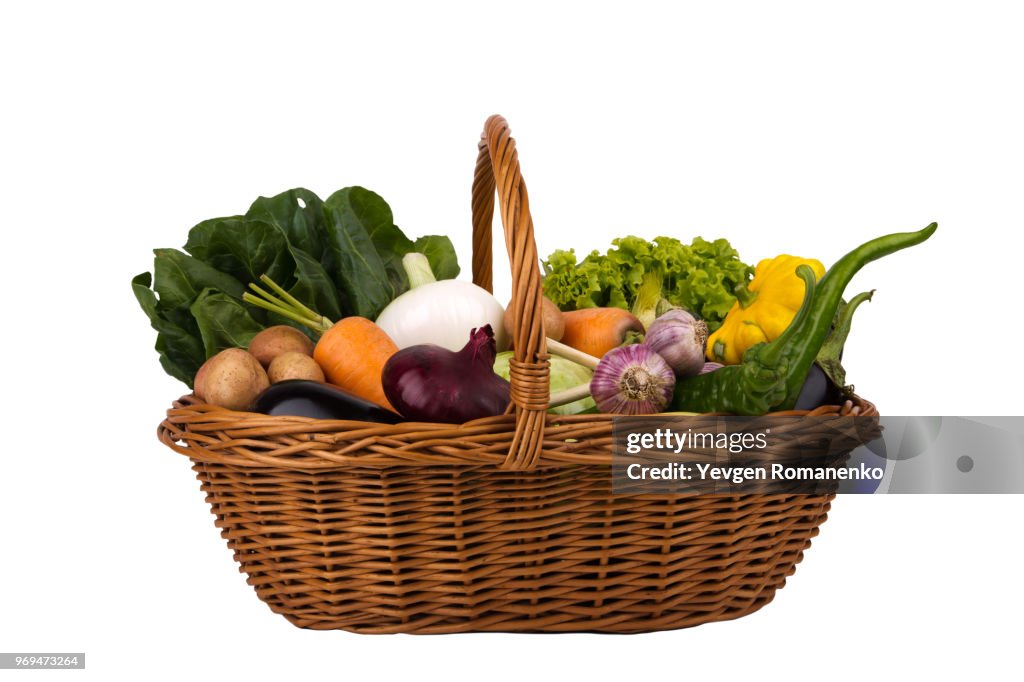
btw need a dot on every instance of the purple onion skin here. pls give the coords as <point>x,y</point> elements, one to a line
<point>710,367</point>
<point>433,384</point>
<point>679,338</point>
<point>632,380</point>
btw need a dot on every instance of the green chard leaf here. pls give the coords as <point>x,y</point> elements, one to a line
<point>181,353</point>
<point>223,322</point>
<point>180,278</point>
<point>198,243</point>
<point>144,295</point>
<point>299,214</point>
<point>244,249</point>
<point>389,241</point>
<point>184,375</point>
<point>313,286</point>
<point>440,254</point>
<point>351,256</point>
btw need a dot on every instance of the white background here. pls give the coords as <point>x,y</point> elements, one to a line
<point>785,127</point>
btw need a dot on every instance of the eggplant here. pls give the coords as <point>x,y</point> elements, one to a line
<point>302,398</point>
<point>819,389</point>
<point>815,391</point>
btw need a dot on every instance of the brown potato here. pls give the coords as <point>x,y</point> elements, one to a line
<point>292,365</point>
<point>200,381</point>
<point>274,341</point>
<point>232,378</point>
<point>554,325</point>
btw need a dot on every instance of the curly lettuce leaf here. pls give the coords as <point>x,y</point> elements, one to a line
<point>699,277</point>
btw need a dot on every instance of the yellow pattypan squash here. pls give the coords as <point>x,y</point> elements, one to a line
<point>763,308</point>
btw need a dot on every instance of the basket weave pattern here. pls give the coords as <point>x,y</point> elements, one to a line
<point>501,524</point>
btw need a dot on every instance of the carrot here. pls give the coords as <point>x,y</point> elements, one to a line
<point>595,331</point>
<point>352,354</point>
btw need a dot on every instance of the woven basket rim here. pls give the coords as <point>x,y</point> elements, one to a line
<point>209,433</point>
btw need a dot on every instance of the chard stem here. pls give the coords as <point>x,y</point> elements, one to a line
<point>296,303</point>
<point>269,297</point>
<point>267,301</point>
<point>283,312</point>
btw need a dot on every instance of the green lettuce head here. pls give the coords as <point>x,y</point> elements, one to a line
<point>649,277</point>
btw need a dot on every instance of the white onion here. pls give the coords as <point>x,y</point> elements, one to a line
<point>443,313</point>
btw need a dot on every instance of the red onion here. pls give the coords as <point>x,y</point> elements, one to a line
<point>632,380</point>
<point>679,338</point>
<point>430,383</point>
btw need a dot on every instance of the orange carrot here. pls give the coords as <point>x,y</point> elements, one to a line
<point>595,331</point>
<point>352,354</point>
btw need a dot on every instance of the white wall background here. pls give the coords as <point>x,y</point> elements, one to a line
<point>786,127</point>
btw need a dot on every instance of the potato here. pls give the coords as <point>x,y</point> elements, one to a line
<point>200,380</point>
<point>232,378</point>
<point>292,365</point>
<point>274,341</point>
<point>554,325</point>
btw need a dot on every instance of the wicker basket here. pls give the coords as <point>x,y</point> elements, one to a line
<point>501,524</point>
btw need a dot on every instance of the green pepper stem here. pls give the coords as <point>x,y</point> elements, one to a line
<point>744,295</point>
<point>828,357</point>
<point>773,352</point>
<point>837,338</point>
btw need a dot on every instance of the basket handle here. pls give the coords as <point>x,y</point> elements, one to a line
<point>529,371</point>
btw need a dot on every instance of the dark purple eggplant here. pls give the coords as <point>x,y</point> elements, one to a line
<point>431,383</point>
<point>301,398</point>
<point>815,390</point>
<point>826,380</point>
<point>818,390</point>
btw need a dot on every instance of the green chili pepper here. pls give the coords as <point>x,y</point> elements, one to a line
<point>828,357</point>
<point>772,374</point>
